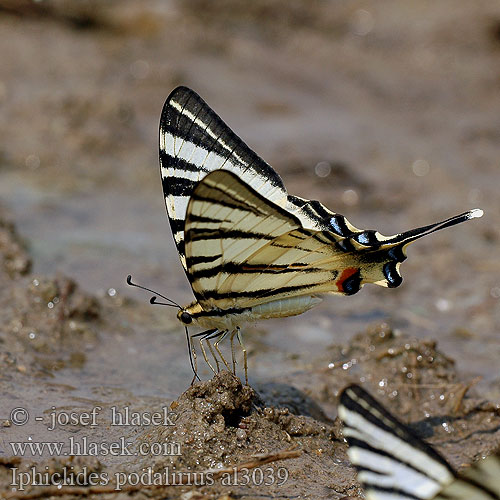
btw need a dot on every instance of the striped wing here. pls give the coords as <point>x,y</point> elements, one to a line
<point>194,141</point>
<point>243,249</point>
<point>395,464</point>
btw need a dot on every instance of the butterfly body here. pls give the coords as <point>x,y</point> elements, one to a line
<point>236,317</point>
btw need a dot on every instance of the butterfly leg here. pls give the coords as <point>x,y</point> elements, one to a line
<point>212,353</point>
<point>216,345</point>
<point>219,335</point>
<point>203,336</point>
<point>194,361</point>
<point>243,348</point>
<point>233,358</point>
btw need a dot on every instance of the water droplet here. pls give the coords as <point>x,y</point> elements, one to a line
<point>443,305</point>
<point>323,169</point>
<point>111,292</point>
<point>350,197</point>
<point>32,335</point>
<point>441,397</point>
<point>420,168</point>
<point>331,365</point>
<point>35,282</point>
<point>50,305</point>
<point>362,22</point>
<point>382,383</point>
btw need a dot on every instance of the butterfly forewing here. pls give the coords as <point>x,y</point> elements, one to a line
<point>195,141</point>
<point>393,463</point>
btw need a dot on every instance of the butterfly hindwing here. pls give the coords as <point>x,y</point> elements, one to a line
<point>394,463</point>
<point>243,250</point>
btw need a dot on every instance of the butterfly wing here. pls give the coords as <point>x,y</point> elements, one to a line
<point>392,462</point>
<point>194,141</point>
<point>243,250</point>
<point>481,481</point>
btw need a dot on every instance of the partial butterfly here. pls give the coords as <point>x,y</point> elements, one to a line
<point>393,463</point>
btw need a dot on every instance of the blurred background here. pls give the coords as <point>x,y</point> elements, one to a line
<point>387,112</point>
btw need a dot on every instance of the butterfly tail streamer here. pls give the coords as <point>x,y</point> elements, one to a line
<point>414,234</point>
<point>381,256</point>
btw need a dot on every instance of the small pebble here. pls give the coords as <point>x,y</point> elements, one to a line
<point>241,434</point>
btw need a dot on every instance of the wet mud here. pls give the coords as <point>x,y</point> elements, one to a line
<point>386,112</point>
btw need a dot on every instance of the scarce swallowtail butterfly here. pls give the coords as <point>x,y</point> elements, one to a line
<point>394,464</point>
<point>249,249</point>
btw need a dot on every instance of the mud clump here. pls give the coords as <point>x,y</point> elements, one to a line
<point>221,422</point>
<point>14,257</point>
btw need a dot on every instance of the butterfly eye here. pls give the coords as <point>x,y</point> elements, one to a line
<point>186,318</point>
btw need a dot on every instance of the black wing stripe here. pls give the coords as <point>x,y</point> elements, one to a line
<point>262,293</point>
<point>257,269</point>
<point>354,397</point>
<point>195,234</point>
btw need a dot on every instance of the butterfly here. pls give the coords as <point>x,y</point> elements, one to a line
<point>249,249</point>
<point>395,464</point>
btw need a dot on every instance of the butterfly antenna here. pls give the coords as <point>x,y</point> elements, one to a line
<point>153,299</point>
<point>191,356</point>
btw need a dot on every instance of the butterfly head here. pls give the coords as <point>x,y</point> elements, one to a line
<point>184,317</point>
<point>191,315</point>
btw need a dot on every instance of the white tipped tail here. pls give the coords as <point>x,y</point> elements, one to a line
<point>476,213</point>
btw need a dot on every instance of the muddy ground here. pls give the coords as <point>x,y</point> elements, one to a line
<point>387,112</point>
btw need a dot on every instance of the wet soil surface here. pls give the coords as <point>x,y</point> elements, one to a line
<point>386,112</point>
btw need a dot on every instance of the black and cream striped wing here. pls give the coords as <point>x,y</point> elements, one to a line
<point>394,464</point>
<point>195,141</point>
<point>243,250</point>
